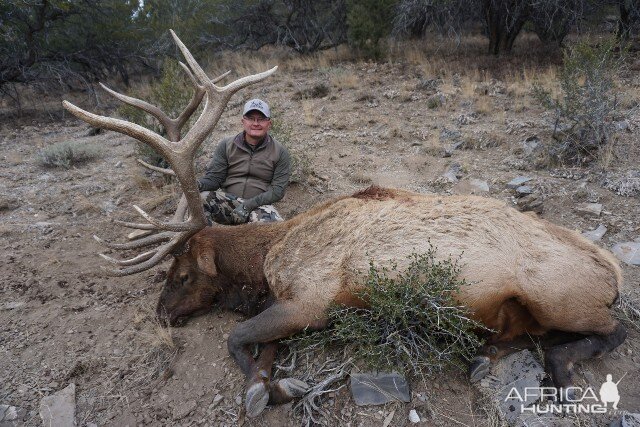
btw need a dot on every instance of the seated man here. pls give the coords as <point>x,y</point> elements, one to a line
<point>248,172</point>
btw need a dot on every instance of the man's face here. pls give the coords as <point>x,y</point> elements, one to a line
<point>256,126</point>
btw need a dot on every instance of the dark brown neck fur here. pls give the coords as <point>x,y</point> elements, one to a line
<point>239,258</point>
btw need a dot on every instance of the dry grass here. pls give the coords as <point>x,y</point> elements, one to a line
<point>359,177</point>
<point>310,114</point>
<point>484,105</point>
<point>342,78</point>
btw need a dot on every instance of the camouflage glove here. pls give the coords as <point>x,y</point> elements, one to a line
<point>240,215</point>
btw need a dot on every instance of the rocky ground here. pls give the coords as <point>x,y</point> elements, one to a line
<point>349,125</point>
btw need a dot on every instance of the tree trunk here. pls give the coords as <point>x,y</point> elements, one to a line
<point>502,28</point>
<point>624,26</point>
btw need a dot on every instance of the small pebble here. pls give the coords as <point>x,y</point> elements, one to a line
<point>413,416</point>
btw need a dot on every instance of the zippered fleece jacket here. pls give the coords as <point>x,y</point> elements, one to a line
<point>259,176</point>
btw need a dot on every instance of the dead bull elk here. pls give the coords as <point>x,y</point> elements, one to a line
<point>527,276</point>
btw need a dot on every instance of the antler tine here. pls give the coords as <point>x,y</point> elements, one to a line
<point>169,226</point>
<point>193,64</point>
<point>136,225</point>
<point>165,171</point>
<point>132,261</point>
<point>143,105</point>
<point>161,252</point>
<point>138,132</point>
<point>220,77</point>
<point>145,241</point>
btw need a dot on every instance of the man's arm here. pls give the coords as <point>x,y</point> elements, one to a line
<point>216,171</point>
<point>279,183</point>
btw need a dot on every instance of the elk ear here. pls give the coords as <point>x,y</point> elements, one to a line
<point>206,263</point>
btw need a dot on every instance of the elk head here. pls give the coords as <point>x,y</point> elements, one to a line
<point>174,235</point>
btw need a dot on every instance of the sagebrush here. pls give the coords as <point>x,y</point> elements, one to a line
<point>412,324</point>
<point>588,103</point>
<point>67,154</point>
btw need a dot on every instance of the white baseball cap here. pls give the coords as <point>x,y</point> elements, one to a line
<point>258,105</point>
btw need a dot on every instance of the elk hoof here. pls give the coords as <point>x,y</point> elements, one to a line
<point>479,368</point>
<point>292,387</point>
<point>256,399</point>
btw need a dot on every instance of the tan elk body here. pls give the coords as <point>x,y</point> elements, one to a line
<point>526,276</point>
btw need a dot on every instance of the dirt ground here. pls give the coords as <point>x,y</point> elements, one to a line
<point>64,321</point>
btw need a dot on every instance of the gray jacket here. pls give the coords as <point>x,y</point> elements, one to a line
<point>259,176</point>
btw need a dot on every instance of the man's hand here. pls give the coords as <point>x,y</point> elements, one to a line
<point>240,215</point>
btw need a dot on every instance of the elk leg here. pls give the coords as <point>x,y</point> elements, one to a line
<point>560,358</point>
<point>494,350</point>
<point>280,320</point>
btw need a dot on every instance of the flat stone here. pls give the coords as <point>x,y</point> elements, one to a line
<point>523,190</point>
<point>379,388</point>
<point>595,235</point>
<point>12,305</point>
<point>590,208</point>
<point>628,252</point>
<point>519,370</point>
<point>518,181</point>
<point>59,409</point>
<point>8,413</point>
<point>413,416</point>
<point>471,186</point>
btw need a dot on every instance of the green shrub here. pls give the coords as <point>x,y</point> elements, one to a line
<point>413,323</point>
<point>588,102</point>
<point>368,22</point>
<point>66,154</point>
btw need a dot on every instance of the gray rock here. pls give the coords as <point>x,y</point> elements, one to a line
<point>627,420</point>
<point>479,185</point>
<point>8,413</point>
<point>453,173</point>
<point>594,209</point>
<point>595,235</point>
<point>518,181</point>
<point>413,416</point>
<point>622,125</point>
<point>628,252</point>
<point>471,186</point>
<point>12,305</point>
<point>519,370</point>
<point>530,145</point>
<point>379,388</point>
<point>59,409</point>
<point>523,190</point>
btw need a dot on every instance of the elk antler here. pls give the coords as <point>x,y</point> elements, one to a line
<point>180,155</point>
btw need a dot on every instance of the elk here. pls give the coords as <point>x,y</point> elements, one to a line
<point>527,276</point>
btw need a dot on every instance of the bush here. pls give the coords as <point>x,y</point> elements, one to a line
<point>368,22</point>
<point>588,102</point>
<point>66,154</point>
<point>413,323</point>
